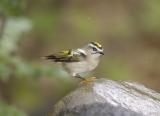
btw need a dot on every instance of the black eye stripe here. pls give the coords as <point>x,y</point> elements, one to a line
<point>94,49</point>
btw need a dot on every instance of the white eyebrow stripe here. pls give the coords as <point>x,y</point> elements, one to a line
<point>91,45</point>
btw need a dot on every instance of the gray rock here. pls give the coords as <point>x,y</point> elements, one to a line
<point>109,98</point>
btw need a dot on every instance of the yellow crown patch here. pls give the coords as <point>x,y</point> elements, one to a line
<point>97,44</point>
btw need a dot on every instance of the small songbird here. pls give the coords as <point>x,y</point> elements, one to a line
<point>80,60</point>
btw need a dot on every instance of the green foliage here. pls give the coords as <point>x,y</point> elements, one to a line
<point>12,7</point>
<point>14,65</point>
<point>151,16</point>
<point>6,110</point>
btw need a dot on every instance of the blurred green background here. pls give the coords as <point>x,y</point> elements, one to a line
<point>129,30</point>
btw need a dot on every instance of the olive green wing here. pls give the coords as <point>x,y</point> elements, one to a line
<point>64,56</point>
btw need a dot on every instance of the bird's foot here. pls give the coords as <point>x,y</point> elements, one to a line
<point>88,80</point>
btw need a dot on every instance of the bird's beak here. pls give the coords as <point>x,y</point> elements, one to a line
<point>102,53</point>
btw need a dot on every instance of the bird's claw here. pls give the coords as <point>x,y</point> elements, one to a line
<point>88,80</point>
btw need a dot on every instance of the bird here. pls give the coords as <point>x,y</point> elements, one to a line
<point>80,60</point>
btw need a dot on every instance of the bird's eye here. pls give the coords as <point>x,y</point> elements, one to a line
<point>94,49</point>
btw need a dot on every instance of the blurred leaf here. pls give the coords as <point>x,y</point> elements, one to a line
<point>5,71</point>
<point>84,24</point>
<point>151,16</point>
<point>6,110</point>
<point>12,7</point>
<point>45,22</point>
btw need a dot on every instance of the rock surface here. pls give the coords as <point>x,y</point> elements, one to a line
<point>109,98</point>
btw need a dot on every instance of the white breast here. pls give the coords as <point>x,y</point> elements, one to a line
<point>83,66</point>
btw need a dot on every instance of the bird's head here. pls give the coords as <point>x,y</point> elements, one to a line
<point>94,49</point>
